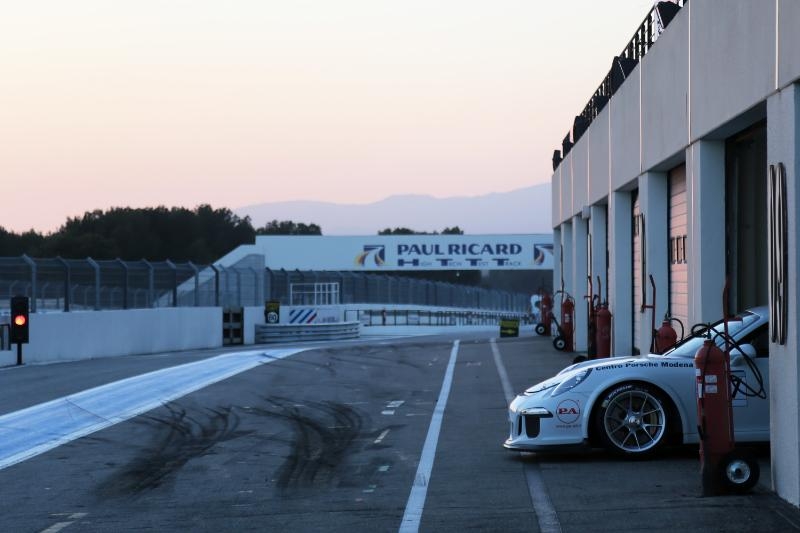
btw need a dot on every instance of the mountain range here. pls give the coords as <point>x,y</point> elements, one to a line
<point>525,210</point>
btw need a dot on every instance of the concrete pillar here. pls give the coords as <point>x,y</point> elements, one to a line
<point>620,262</point>
<point>705,241</point>
<point>783,146</point>
<point>654,203</point>
<point>580,271</point>
<point>598,229</point>
<point>556,259</point>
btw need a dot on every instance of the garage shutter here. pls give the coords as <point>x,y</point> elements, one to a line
<point>678,269</point>
<point>638,227</point>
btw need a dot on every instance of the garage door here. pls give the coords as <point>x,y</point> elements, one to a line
<point>638,256</point>
<point>678,269</point>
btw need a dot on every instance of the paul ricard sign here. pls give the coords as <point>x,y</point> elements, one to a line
<point>409,252</point>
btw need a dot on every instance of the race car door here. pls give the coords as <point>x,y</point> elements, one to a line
<point>750,388</point>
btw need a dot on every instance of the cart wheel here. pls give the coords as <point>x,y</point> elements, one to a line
<point>559,343</point>
<point>739,471</point>
<point>540,329</point>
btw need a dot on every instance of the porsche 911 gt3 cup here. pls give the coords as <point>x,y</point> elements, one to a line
<point>634,405</point>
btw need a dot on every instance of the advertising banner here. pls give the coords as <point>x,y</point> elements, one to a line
<point>408,252</point>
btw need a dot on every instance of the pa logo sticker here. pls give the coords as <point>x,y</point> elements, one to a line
<point>568,411</point>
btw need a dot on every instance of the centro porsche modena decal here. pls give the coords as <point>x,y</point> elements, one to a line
<point>638,364</point>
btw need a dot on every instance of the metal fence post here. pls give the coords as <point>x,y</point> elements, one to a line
<point>216,285</point>
<point>257,295</point>
<point>238,288</point>
<point>126,284</point>
<point>196,284</point>
<point>32,264</point>
<point>96,268</point>
<point>151,300</point>
<point>67,283</point>
<point>172,266</point>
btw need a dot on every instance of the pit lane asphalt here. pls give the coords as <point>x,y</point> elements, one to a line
<point>124,478</point>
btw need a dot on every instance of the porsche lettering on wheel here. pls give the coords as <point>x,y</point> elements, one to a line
<point>634,406</point>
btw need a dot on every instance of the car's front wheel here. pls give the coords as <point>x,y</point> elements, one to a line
<point>632,420</point>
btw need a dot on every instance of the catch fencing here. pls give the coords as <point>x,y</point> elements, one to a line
<point>57,284</point>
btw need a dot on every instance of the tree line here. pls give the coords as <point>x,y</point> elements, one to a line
<point>201,235</point>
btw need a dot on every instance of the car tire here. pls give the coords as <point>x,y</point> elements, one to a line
<point>540,329</point>
<point>632,420</point>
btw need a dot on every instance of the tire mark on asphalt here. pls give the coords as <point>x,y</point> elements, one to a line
<point>181,438</point>
<point>324,435</point>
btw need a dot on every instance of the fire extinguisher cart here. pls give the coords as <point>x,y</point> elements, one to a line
<point>545,313</point>
<point>723,467</point>
<point>563,341</point>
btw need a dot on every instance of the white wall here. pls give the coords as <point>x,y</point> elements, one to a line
<point>566,188</point>
<point>599,177</point>
<point>732,59</point>
<point>92,334</point>
<point>788,42</point>
<point>580,175</point>
<point>624,136</point>
<point>665,93</point>
<point>783,132</point>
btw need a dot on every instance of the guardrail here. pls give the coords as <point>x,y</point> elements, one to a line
<point>406,317</point>
<point>267,333</point>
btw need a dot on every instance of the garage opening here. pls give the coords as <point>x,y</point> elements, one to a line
<point>746,217</point>
<point>638,270</point>
<point>678,268</point>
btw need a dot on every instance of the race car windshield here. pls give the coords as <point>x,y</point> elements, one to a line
<point>688,347</point>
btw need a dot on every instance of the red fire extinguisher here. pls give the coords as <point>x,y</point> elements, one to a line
<point>603,331</point>
<point>665,337</point>
<point>545,311</point>
<point>723,468</point>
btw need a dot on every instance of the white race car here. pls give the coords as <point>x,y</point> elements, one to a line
<point>634,405</point>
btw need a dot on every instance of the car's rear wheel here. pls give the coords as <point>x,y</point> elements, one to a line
<point>632,420</point>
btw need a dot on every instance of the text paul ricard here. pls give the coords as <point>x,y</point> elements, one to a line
<point>459,255</point>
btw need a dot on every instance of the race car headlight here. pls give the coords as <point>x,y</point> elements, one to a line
<point>539,387</point>
<point>572,382</point>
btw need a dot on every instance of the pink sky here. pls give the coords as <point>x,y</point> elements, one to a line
<point>178,103</point>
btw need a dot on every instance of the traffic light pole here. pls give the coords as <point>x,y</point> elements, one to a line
<point>19,353</point>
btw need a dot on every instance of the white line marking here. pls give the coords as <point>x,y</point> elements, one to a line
<point>501,369</point>
<point>58,526</point>
<point>545,512</point>
<point>381,436</point>
<point>416,500</point>
<point>40,428</point>
<point>395,404</point>
<point>388,412</point>
<point>542,506</point>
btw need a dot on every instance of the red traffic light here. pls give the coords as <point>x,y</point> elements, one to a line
<point>20,320</point>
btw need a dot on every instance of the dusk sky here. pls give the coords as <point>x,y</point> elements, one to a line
<point>179,103</point>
